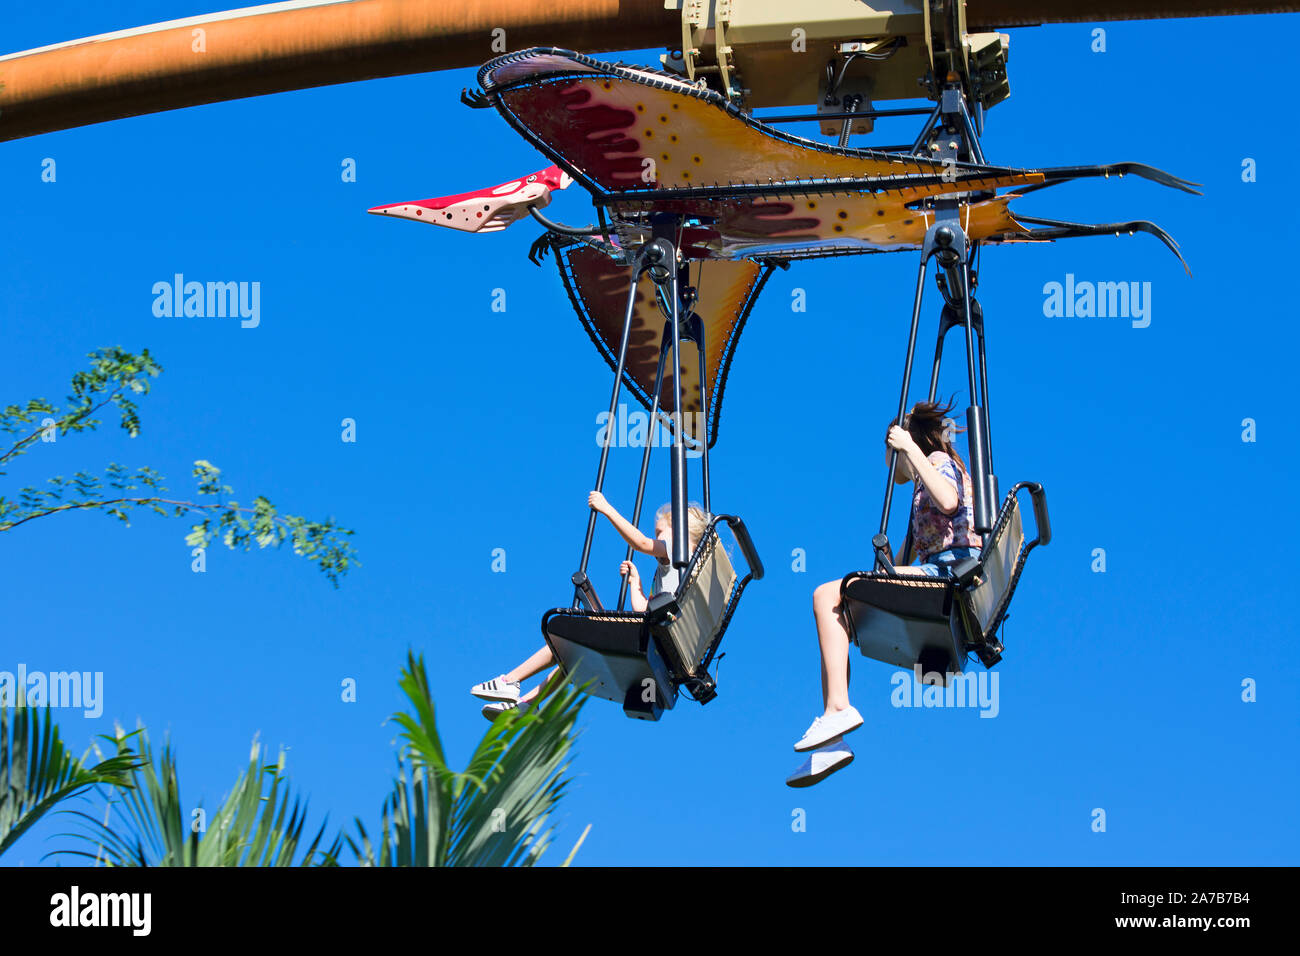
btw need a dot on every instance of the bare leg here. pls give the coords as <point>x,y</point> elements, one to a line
<point>552,683</point>
<point>833,635</point>
<point>540,660</point>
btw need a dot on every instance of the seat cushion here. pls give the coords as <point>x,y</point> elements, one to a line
<point>911,596</point>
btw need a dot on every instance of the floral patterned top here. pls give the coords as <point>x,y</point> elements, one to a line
<point>932,530</point>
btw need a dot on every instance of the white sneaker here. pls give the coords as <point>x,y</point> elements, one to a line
<point>823,762</point>
<point>495,709</point>
<point>497,689</point>
<point>825,728</point>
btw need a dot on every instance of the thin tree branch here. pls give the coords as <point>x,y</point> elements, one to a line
<point>187,505</point>
<point>22,442</point>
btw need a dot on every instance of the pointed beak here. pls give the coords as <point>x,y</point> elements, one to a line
<point>419,211</point>
<point>484,210</point>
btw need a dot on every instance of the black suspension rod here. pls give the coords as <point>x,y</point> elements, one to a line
<point>681,535</point>
<point>969,322</point>
<point>907,384</point>
<point>984,394</point>
<point>645,460</point>
<point>704,413</point>
<point>938,360</point>
<point>613,411</point>
<point>984,381</point>
<point>977,428</point>
<point>928,128</point>
<point>991,493</point>
<point>972,138</point>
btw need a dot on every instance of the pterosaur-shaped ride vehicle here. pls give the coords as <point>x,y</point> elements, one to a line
<point>698,201</point>
<point>684,175</point>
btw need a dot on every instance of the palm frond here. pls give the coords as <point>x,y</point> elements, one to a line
<point>259,823</point>
<point>496,812</point>
<point>37,771</point>
<point>523,760</point>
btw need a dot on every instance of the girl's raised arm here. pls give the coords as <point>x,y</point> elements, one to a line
<point>631,534</point>
<point>941,490</point>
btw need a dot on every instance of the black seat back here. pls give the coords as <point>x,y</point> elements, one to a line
<point>985,600</point>
<point>689,625</point>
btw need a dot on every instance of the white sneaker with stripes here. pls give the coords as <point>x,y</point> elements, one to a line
<point>497,689</point>
<point>498,707</point>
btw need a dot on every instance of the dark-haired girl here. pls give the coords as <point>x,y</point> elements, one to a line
<point>943,510</point>
<point>942,524</point>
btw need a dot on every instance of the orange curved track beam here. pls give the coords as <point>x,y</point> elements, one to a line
<point>295,45</point>
<point>306,43</point>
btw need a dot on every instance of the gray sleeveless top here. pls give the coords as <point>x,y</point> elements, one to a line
<point>666,579</point>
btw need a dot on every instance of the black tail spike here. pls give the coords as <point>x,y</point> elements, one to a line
<point>1065,174</point>
<point>1069,230</point>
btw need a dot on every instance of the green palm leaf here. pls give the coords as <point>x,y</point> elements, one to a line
<point>260,822</point>
<point>497,812</point>
<point>37,772</point>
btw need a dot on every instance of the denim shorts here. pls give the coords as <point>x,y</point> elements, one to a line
<point>939,564</point>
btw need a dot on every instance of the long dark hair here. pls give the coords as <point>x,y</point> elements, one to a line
<point>925,423</point>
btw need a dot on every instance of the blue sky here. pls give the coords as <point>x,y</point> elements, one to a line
<point>1119,690</point>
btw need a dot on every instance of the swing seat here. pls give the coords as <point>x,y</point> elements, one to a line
<point>643,660</point>
<point>906,620</point>
<point>611,655</point>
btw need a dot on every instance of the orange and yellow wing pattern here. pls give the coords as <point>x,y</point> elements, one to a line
<point>642,140</point>
<point>598,287</point>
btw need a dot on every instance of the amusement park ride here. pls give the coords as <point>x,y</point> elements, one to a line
<point>697,201</point>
